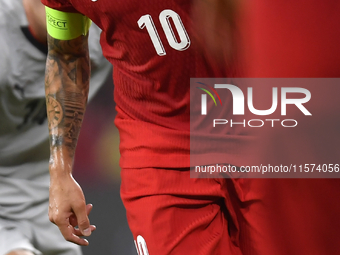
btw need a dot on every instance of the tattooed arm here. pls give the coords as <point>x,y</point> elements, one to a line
<point>67,86</point>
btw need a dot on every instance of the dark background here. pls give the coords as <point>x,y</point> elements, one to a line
<point>97,171</point>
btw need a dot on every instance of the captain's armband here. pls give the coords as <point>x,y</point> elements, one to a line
<point>65,25</point>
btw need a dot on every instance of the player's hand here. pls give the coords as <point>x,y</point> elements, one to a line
<point>68,209</point>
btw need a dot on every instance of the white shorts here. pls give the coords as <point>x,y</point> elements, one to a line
<point>38,235</point>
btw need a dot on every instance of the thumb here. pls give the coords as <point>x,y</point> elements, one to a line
<point>83,220</point>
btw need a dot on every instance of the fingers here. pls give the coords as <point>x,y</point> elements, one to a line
<point>73,234</point>
<point>68,231</point>
<point>69,234</point>
<point>74,223</point>
<point>89,208</point>
<point>81,213</point>
<point>73,219</point>
<point>67,224</point>
<point>78,233</point>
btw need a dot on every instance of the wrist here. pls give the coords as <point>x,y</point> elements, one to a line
<point>60,167</point>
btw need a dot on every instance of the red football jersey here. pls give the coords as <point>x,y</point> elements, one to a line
<point>155,50</point>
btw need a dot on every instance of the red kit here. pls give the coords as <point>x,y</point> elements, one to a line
<point>156,47</point>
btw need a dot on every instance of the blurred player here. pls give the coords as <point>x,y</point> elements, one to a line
<point>24,178</point>
<point>299,40</point>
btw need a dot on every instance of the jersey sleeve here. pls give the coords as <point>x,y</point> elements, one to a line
<point>60,5</point>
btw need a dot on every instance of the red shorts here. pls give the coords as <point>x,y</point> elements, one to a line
<point>170,213</point>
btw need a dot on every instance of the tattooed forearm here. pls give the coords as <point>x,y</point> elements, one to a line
<point>66,84</point>
<point>56,140</point>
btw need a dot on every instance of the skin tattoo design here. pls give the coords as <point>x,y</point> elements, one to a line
<point>69,72</point>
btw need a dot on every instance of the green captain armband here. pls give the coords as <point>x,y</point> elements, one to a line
<point>65,25</point>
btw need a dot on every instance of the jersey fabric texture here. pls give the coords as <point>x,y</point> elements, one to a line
<point>171,212</point>
<point>176,214</point>
<point>151,81</point>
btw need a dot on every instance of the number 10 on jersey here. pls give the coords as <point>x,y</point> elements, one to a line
<point>164,17</point>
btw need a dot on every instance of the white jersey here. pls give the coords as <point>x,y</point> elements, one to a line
<point>24,145</point>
